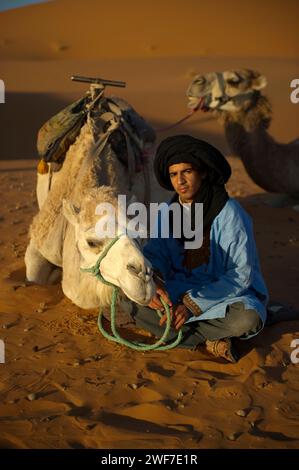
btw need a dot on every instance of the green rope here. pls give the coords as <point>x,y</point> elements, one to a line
<point>95,271</point>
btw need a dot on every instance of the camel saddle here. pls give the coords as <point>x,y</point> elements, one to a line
<point>132,135</point>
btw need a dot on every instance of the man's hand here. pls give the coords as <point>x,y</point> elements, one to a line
<point>156,303</point>
<point>179,316</point>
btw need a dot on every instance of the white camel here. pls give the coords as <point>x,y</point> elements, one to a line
<point>62,234</point>
<point>235,98</point>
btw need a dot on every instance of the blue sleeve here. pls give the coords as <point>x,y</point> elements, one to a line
<point>235,255</point>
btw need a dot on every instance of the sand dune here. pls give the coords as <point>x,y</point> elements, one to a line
<point>156,87</point>
<point>68,29</point>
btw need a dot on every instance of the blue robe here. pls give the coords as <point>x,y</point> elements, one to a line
<point>232,274</point>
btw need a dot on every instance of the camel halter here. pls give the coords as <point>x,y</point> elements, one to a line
<point>95,271</point>
<point>225,98</point>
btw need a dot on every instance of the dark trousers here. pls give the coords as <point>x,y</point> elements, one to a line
<point>237,323</point>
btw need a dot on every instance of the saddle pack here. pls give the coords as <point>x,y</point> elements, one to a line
<point>131,133</point>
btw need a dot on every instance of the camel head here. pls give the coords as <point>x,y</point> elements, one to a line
<point>124,264</point>
<point>230,91</point>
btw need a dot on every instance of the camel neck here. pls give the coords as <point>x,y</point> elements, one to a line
<point>248,138</point>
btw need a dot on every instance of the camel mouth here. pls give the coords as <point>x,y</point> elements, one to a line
<point>205,108</point>
<point>198,103</point>
<point>142,296</point>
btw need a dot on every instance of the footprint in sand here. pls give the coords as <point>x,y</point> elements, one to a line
<point>153,367</point>
<point>8,320</point>
<point>5,42</point>
<point>59,47</point>
<point>151,48</point>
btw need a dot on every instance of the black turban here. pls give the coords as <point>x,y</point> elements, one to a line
<point>188,149</point>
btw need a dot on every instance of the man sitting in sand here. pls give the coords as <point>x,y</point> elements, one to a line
<point>216,292</point>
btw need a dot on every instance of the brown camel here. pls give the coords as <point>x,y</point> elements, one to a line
<point>235,98</point>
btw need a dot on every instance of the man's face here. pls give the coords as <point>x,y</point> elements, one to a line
<point>185,180</point>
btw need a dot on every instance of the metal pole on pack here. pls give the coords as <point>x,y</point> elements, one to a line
<point>100,81</point>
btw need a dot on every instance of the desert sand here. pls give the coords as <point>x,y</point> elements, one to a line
<point>63,385</point>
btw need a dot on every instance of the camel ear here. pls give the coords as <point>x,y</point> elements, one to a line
<point>70,212</point>
<point>259,82</point>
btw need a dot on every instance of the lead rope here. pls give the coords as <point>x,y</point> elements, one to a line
<point>95,271</point>
<point>162,129</point>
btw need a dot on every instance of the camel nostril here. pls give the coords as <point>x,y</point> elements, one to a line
<point>134,269</point>
<point>145,274</point>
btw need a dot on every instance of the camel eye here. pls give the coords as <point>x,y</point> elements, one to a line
<point>234,81</point>
<point>93,243</point>
<point>201,80</point>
